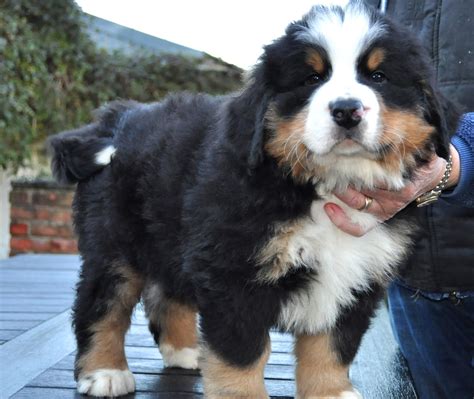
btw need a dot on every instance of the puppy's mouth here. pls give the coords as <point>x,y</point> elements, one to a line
<point>349,144</point>
<point>348,147</point>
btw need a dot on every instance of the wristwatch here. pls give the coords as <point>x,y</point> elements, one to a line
<point>433,195</point>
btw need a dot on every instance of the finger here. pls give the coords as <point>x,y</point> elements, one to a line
<point>342,221</point>
<point>352,198</point>
<point>381,185</point>
<point>376,192</point>
<point>405,195</point>
<point>356,200</point>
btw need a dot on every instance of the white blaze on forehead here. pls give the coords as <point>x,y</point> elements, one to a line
<point>340,31</point>
<point>345,34</point>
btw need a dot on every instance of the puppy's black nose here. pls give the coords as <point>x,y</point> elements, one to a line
<point>346,113</point>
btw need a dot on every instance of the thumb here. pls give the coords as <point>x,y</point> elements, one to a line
<point>339,218</point>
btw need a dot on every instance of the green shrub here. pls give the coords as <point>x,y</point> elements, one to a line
<point>52,75</point>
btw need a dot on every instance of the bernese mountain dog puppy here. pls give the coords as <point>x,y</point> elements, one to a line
<point>214,206</point>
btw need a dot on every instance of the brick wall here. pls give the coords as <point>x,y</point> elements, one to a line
<point>41,219</point>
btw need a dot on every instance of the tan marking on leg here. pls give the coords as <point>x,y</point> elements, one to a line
<point>106,350</point>
<point>223,381</point>
<point>174,328</point>
<point>375,58</point>
<point>175,321</point>
<point>178,324</point>
<point>314,59</point>
<point>319,374</point>
<point>274,258</point>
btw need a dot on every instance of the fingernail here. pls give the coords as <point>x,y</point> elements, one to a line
<point>330,210</point>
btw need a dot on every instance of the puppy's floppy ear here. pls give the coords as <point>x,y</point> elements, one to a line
<point>443,115</point>
<point>255,156</point>
<point>245,119</point>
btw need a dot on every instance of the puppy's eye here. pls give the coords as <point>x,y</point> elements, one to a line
<point>378,77</point>
<point>313,79</point>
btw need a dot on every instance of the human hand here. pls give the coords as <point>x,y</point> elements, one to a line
<point>385,203</point>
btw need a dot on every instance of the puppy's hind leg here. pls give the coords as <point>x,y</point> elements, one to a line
<point>173,326</point>
<point>106,296</point>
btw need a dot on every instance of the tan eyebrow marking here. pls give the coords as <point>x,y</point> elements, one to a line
<point>316,61</point>
<point>375,59</point>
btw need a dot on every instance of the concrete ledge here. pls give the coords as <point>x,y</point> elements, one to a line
<point>33,352</point>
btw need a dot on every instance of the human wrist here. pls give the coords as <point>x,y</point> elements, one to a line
<point>456,167</point>
<point>432,195</point>
<point>462,193</point>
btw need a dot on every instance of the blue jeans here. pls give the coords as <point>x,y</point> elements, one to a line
<point>435,332</point>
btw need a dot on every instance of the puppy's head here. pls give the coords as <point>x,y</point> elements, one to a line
<point>348,97</point>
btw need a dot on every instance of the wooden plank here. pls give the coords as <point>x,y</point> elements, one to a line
<point>11,288</point>
<point>33,316</point>
<point>64,393</point>
<point>143,366</point>
<point>25,311</point>
<point>144,382</point>
<point>140,326</point>
<point>38,277</point>
<point>155,383</point>
<point>33,301</point>
<point>33,268</point>
<point>281,337</point>
<point>50,393</point>
<point>40,295</point>
<point>153,353</point>
<point>155,366</point>
<point>34,351</point>
<point>17,285</point>
<point>34,308</point>
<point>18,324</point>
<point>146,340</point>
<point>7,335</point>
<point>40,261</point>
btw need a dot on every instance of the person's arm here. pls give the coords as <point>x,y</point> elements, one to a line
<point>387,203</point>
<point>463,193</point>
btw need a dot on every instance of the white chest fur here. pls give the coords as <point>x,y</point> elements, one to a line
<point>343,263</point>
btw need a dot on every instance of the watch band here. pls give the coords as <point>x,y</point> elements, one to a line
<point>433,195</point>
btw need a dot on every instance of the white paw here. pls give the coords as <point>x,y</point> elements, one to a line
<point>186,358</point>
<point>354,394</point>
<point>106,382</point>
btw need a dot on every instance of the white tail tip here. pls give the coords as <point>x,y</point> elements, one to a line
<point>104,156</point>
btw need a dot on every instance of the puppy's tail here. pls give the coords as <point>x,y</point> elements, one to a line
<point>78,154</point>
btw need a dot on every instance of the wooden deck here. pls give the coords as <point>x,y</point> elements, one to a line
<point>37,346</point>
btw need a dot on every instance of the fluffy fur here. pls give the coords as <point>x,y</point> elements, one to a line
<point>217,202</point>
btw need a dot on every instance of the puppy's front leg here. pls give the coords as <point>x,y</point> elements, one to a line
<point>236,314</point>
<point>222,380</point>
<point>319,373</point>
